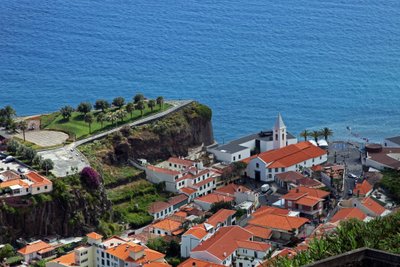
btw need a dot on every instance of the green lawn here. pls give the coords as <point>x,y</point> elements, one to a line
<point>77,128</point>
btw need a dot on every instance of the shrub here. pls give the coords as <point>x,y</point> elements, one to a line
<point>90,177</point>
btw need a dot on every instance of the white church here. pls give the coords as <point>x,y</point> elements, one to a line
<point>263,141</point>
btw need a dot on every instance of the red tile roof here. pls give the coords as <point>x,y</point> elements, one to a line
<point>269,210</point>
<point>289,176</point>
<point>293,196</point>
<point>221,216</point>
<point>162,170</point>
<point>278,222</point>
<point>158,206</point>
<point>224,242</point>
<point>183,162</point>
<point>168,225</point>
<point>94,235</point>
<point>122,252</point>
<point>34,247</point>
<point>313,192</point>
<point>373,206</point>
<point>362,189</point>
<point>177,199</point>
<point>66,260</point>
<point>206,181</point>
<point>214,198</point>
<point>253,245</point>
<point>198,231</point>
<point>231,189</point>
<point>309,201</point>
<point>38,179</point>
<point>289,155</point>
<point>258,231</point>
<point>348,213</point>
<point>198,263</point>
<point>188,191</point>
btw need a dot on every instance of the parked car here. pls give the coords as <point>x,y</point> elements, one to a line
<point>9,159</point>
<point>353,176</point>
<point>265,188</point>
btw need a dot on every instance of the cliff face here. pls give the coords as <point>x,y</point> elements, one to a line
<point>67,213</point>
<point>171,136</point>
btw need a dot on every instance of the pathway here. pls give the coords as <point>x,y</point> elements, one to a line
<point>69,156</point>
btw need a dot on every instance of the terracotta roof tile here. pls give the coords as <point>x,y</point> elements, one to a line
<point>221,216</point>
<point>309,201</point>
<point>198,231</point>
<point>214,198</point>
<point>269,210</point>
<point>231,189</point>
<point>253,245</point>
<point>373,206</point>
<point>34,247</point>
<point>290,176</point>
<point>223,243</point>
<point>158,206</point>
<point>122,252</point>
<point>94,235</point>
<point>188,191</point>
<point>162,170</point>
<point>259,231</point>
<point>66,260</point>
<point>183,162</point>
<point>313,192</point>
<point>362,189</point>
<point>198,263</point>
<point>279,222</point>
<point>168,225</point>
<point>177,199</point>
<point>348,213</point>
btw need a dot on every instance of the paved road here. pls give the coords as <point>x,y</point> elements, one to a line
<point>69,156</point>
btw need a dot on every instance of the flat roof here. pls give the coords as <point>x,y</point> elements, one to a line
<point>235,145</point>
<point>394,139</point>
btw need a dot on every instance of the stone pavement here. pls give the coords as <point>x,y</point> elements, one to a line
<point>44,138</point>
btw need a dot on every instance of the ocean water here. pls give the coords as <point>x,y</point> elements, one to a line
<point>320,63</point>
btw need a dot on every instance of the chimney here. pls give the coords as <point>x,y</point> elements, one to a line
<point>297,190</point>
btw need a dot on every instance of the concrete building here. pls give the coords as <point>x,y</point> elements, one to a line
<point>392,141</point>
<point>242,148</point>
<point>29,183</point>
<point>265,166</point>
<point>37,250</point>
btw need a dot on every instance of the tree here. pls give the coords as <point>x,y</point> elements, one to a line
<point>7,251</point>
<point>101,118</point>
<point>29,154</point>
<point>66,112</point>
<point>137,98</point>
<point>7,115</point>
<point>238,167</point>
<point>220,205</point>
<point>90,177</point>
<point>84,108</point>
<point>160,101</point>
<point>151,104</point>
<point>305,134</point>
<point>47,165</point>
<point>158,244</point>
<point>315,135</point>
<point>89,119</point>
<point>102,105</point>
<point>37,160</point>
<point>23,126</point>
<point>140,106</point>
<point>326,132</point>
<point>12,146</point>
<point>111,117</point>
<point>119,101</point>
<point>130,107</point>
<point>121,114</point>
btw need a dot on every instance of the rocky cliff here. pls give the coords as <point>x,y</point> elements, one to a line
<point>67,211</point>
<point>170,136</point>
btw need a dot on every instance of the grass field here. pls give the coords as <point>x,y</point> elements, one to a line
<point>77,128</point>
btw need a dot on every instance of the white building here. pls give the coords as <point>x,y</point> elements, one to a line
<point>295,157</point>
<point>242,148</point>
<point>112,252</point>
<point>392,141</point>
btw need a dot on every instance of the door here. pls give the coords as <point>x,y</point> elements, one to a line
<point>257,175</point>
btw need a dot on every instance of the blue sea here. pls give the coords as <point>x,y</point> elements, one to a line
<point>320,63</point>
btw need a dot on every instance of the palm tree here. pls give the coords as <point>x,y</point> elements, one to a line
<point>101,118</point>
<point>23,126</point>
<point>151,104</point>
<point>326,132</point>
<point>89,120</point>
<point>315,135</point>
<point>112,116</point>
<point>140,106</point>
<point>160,101</point>
<point>130,107</point>
<point>305,134</point>
<point>121,114</point>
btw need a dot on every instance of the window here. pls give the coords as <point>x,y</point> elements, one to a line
<point>269,170</point>
<point>282,169</point>
<point>283,136</point>
<point>45,187</point>
<point>159,232</point>
<point>313,160</point>
<point>102,255</point>
<point>175,165</point>
<point>276,136</point>
<point>305,162</point>
<point>102,262</point>
<point>234,158</point>
<point>257,165</point>
<point>38,188</point>
<point>270,176</point>
<point>170,164</point>
<point>108,263</point>
<point>289,203</point>
<point>320,157</point>
<point>240,156</point>
<point>276,169</point>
